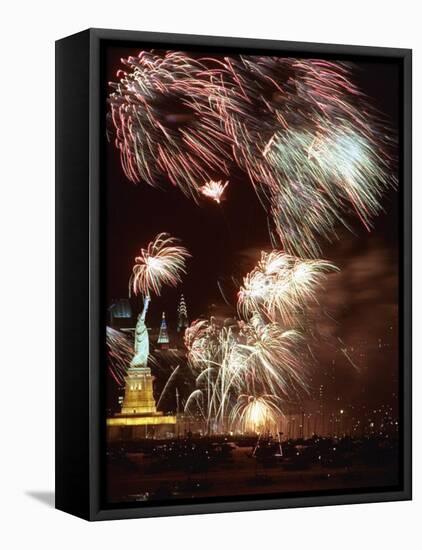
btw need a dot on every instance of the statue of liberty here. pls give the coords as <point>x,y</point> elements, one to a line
<point>141,346</point>
<point>162,262</point>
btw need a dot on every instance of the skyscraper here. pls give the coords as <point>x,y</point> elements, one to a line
<point>163,337</point>
<point>182,315</point>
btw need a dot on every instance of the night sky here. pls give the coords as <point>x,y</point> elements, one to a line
<point>358,308</point>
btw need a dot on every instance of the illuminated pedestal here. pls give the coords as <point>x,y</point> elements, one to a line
<point>139,417</point>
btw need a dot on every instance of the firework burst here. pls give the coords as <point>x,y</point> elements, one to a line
<point>245,358</point>
<point>313,148</point>
<point>256,414</point>
<point>162,262</point>
<point>214,190</point>
<point>211,355</point>
<point>270,358</point>
<point>280,286</point>
<point>163,122</point>
<point>245,368</point>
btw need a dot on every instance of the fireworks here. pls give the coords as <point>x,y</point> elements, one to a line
<point>271,358</point>
<point>210,353</point>
<point>163,122</point>
<point>315,153</point>
<point>251,358</point>
<point>162,262</point>
<point>280,286</point>
<point>256,414</point>
<point>304,134</point>
<point>119,354</point>
<point>245,368</point>
<point>309,142</point>
<point>214,190</point>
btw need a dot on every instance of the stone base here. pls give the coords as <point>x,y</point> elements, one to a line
<point>132,427</point>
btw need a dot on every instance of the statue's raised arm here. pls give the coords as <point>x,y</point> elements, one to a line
<point>147,300</point>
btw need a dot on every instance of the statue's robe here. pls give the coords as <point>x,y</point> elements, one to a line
<point>140,358</point>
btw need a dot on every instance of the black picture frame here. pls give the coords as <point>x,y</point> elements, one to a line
<point>79,317</point>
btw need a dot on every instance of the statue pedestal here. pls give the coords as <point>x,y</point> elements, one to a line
<point>132,427</point>
<point>139,417</point>
<point>139,396</point>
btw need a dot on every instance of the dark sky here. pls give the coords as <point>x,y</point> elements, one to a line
<point>358,308</point>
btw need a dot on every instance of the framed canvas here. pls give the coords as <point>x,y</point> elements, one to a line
<point>233,274</point>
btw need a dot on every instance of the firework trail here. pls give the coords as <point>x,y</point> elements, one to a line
<point>210,353</point>
<point>310,143</point>
<point>214,190</point>
<point>270,358</point>
<point>253,358</point>
<point>280,286</point>
<point>162,262</point>
<point>119,354</point>
<point>167,384</point>
<point>163,122</point>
